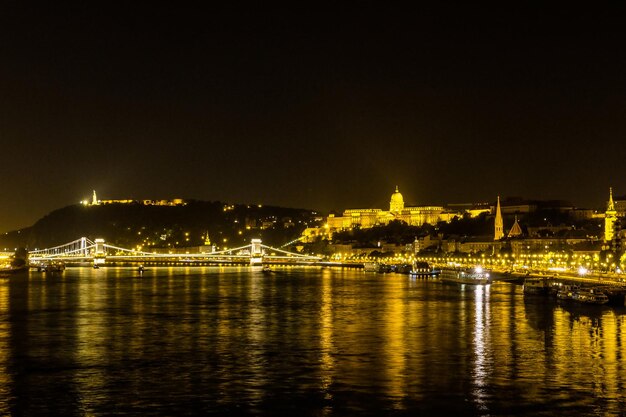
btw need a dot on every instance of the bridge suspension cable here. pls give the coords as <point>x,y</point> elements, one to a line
<point>82,242</point>
<point>77,248</point>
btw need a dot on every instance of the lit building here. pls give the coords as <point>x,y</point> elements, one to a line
<point>610,217</point>
<point>366,218</point>
<point>620,206</point>
<point>614,234</point>
<point>460,210</point>
<point>516,230</point>
<point>96,202</point>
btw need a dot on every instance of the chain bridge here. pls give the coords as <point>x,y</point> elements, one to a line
<point>99,252</point>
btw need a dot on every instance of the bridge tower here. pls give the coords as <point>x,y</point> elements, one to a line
<point>256,252</point>
<point>99,255</point>
<point>83,246</point>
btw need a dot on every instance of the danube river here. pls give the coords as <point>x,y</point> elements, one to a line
<point>301,341</point>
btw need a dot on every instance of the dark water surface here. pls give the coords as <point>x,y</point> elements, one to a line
<point>302,341</point>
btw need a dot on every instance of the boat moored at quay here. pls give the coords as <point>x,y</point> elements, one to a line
<point>9,271</point>
<point>52,266</point>
<point>471,276</point>
<point>375,267</point>
<point>423,269</point>
<point>583,295</point>
<point>537,286</point>
<point>567,290</point>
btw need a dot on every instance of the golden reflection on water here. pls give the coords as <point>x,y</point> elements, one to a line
<point>327,348</point>
<point>94,332</point>
<point>245,334</point>
<point>257,330</point>
<point>482,332</point>
<point>5,334</point>
<point>394,351</point>
<point>597,340</point>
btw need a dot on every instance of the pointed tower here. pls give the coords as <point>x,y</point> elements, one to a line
<point>610,216</point>
<point>207,240</point>
<point>499,227</point>
<point>94,199</point>
<point>516,230</point>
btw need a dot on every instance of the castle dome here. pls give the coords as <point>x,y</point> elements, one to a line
<point>397,201</point>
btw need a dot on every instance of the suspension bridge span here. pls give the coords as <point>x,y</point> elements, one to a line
<point>99,252</point>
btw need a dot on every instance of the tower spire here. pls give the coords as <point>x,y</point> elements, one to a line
<point>610,216</point>
<point>94,199</point>
<point>499,224</point>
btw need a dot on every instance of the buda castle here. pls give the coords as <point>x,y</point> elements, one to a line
<point>365,218</point>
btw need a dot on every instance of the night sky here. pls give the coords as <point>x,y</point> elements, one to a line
<point>308,108</point>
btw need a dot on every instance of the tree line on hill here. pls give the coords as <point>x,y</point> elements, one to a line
<point>132,225</point>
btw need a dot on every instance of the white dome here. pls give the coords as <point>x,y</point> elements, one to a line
<point>397,201</point>
<point>396,198</point>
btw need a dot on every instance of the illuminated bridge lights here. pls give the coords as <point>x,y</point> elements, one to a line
<point>84,249</point>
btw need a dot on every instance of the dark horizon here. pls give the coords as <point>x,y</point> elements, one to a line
<point>316,110</point>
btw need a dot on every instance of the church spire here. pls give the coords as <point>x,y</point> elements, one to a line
<point>499,225</point>
<point>94,199</point>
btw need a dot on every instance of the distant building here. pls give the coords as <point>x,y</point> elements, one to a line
<point>471,244</point>
<point>366,218</point>
<point>473,209</point>
<point>516,230</point>
<point>539,231</point>
<point>579,214</point>
<point>96,202</point>
<point>173,202</point>
<point>509,207</point>
<point>541,245</point>
<point>620,206</point>
<point>610,219</point>
<point>478,244</point>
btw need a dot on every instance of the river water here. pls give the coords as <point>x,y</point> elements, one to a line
<point>301,341</point>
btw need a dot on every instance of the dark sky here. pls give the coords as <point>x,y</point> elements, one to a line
<point>322,109</point>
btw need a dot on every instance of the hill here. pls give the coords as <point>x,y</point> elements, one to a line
<point>135,224</point>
